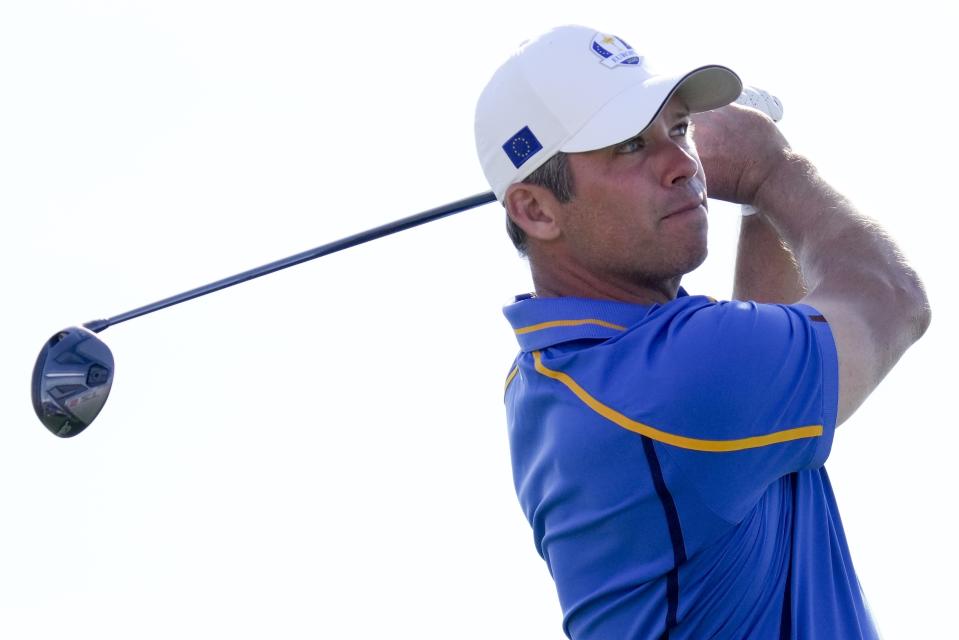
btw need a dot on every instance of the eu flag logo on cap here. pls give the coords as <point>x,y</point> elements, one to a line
<point>521,147</point>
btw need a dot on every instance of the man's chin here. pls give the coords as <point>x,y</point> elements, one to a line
<point>698,260</point>
<point>691,261</point>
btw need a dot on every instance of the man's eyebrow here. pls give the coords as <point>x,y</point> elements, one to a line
<point>681,113</point>
<point>635,138</point>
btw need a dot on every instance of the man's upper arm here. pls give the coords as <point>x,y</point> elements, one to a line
<point>870,337</point>
<point>752,391</point>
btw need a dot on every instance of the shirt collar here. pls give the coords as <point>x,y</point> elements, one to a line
<point>544,322</point>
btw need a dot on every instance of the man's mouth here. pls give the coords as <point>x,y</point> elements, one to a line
<point>687,207</point>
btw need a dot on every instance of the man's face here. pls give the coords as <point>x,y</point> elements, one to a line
<point>639,210</point>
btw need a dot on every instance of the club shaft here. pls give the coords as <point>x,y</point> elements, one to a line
<point>299,258</point>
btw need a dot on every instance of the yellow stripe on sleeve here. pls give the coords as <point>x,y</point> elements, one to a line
<point>682,442</point>
<point>567,323</point>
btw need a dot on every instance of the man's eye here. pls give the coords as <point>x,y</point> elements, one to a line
<point>630,146</point>
<point>684,129</point>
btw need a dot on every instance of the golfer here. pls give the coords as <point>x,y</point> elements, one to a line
<point>668,448</point>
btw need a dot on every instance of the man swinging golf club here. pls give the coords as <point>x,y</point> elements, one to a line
<point>667,448</point>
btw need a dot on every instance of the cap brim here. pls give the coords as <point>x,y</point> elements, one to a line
<point>634,109</point>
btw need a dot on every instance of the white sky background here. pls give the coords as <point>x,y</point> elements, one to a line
<point>322,453</point>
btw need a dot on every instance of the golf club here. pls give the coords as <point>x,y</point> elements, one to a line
<point>74,371</point>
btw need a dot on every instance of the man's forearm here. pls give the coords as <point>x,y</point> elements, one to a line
<point>830,239</point>
<point>856,277</point>
<point>843,254</point>
<point>766,270</point>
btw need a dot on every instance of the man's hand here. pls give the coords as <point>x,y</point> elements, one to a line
<point>739,147</point>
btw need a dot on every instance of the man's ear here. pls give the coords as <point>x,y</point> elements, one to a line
<point>533,208</point>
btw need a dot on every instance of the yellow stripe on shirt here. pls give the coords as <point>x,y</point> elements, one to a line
<point>568,323</point>
<point>683,442</point>
<point>509,378</point>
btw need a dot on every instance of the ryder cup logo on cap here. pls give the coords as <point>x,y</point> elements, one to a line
<point>614,51</point>
<point>577,89</point>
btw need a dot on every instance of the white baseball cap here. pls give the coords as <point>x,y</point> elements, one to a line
<point>577,89</point>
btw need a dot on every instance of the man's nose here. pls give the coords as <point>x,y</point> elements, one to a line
<point>679,163</point>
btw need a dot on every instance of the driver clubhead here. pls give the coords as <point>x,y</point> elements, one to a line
<point>71,381</point>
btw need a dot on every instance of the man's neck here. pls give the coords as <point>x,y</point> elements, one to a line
<point>556,283</point>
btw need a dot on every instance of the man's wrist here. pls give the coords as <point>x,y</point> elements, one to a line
<point>784,177</point>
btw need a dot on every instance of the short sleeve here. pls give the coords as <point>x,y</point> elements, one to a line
<point>748,392</point>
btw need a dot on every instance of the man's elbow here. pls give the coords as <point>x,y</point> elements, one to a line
<point>923,313</point>
<point>900,309</point>
<point>914,302</point>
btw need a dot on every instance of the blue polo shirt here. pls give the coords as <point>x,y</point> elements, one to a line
<point>670,461</point>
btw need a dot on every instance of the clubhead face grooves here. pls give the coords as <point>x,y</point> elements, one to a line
<point>71,381</point>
